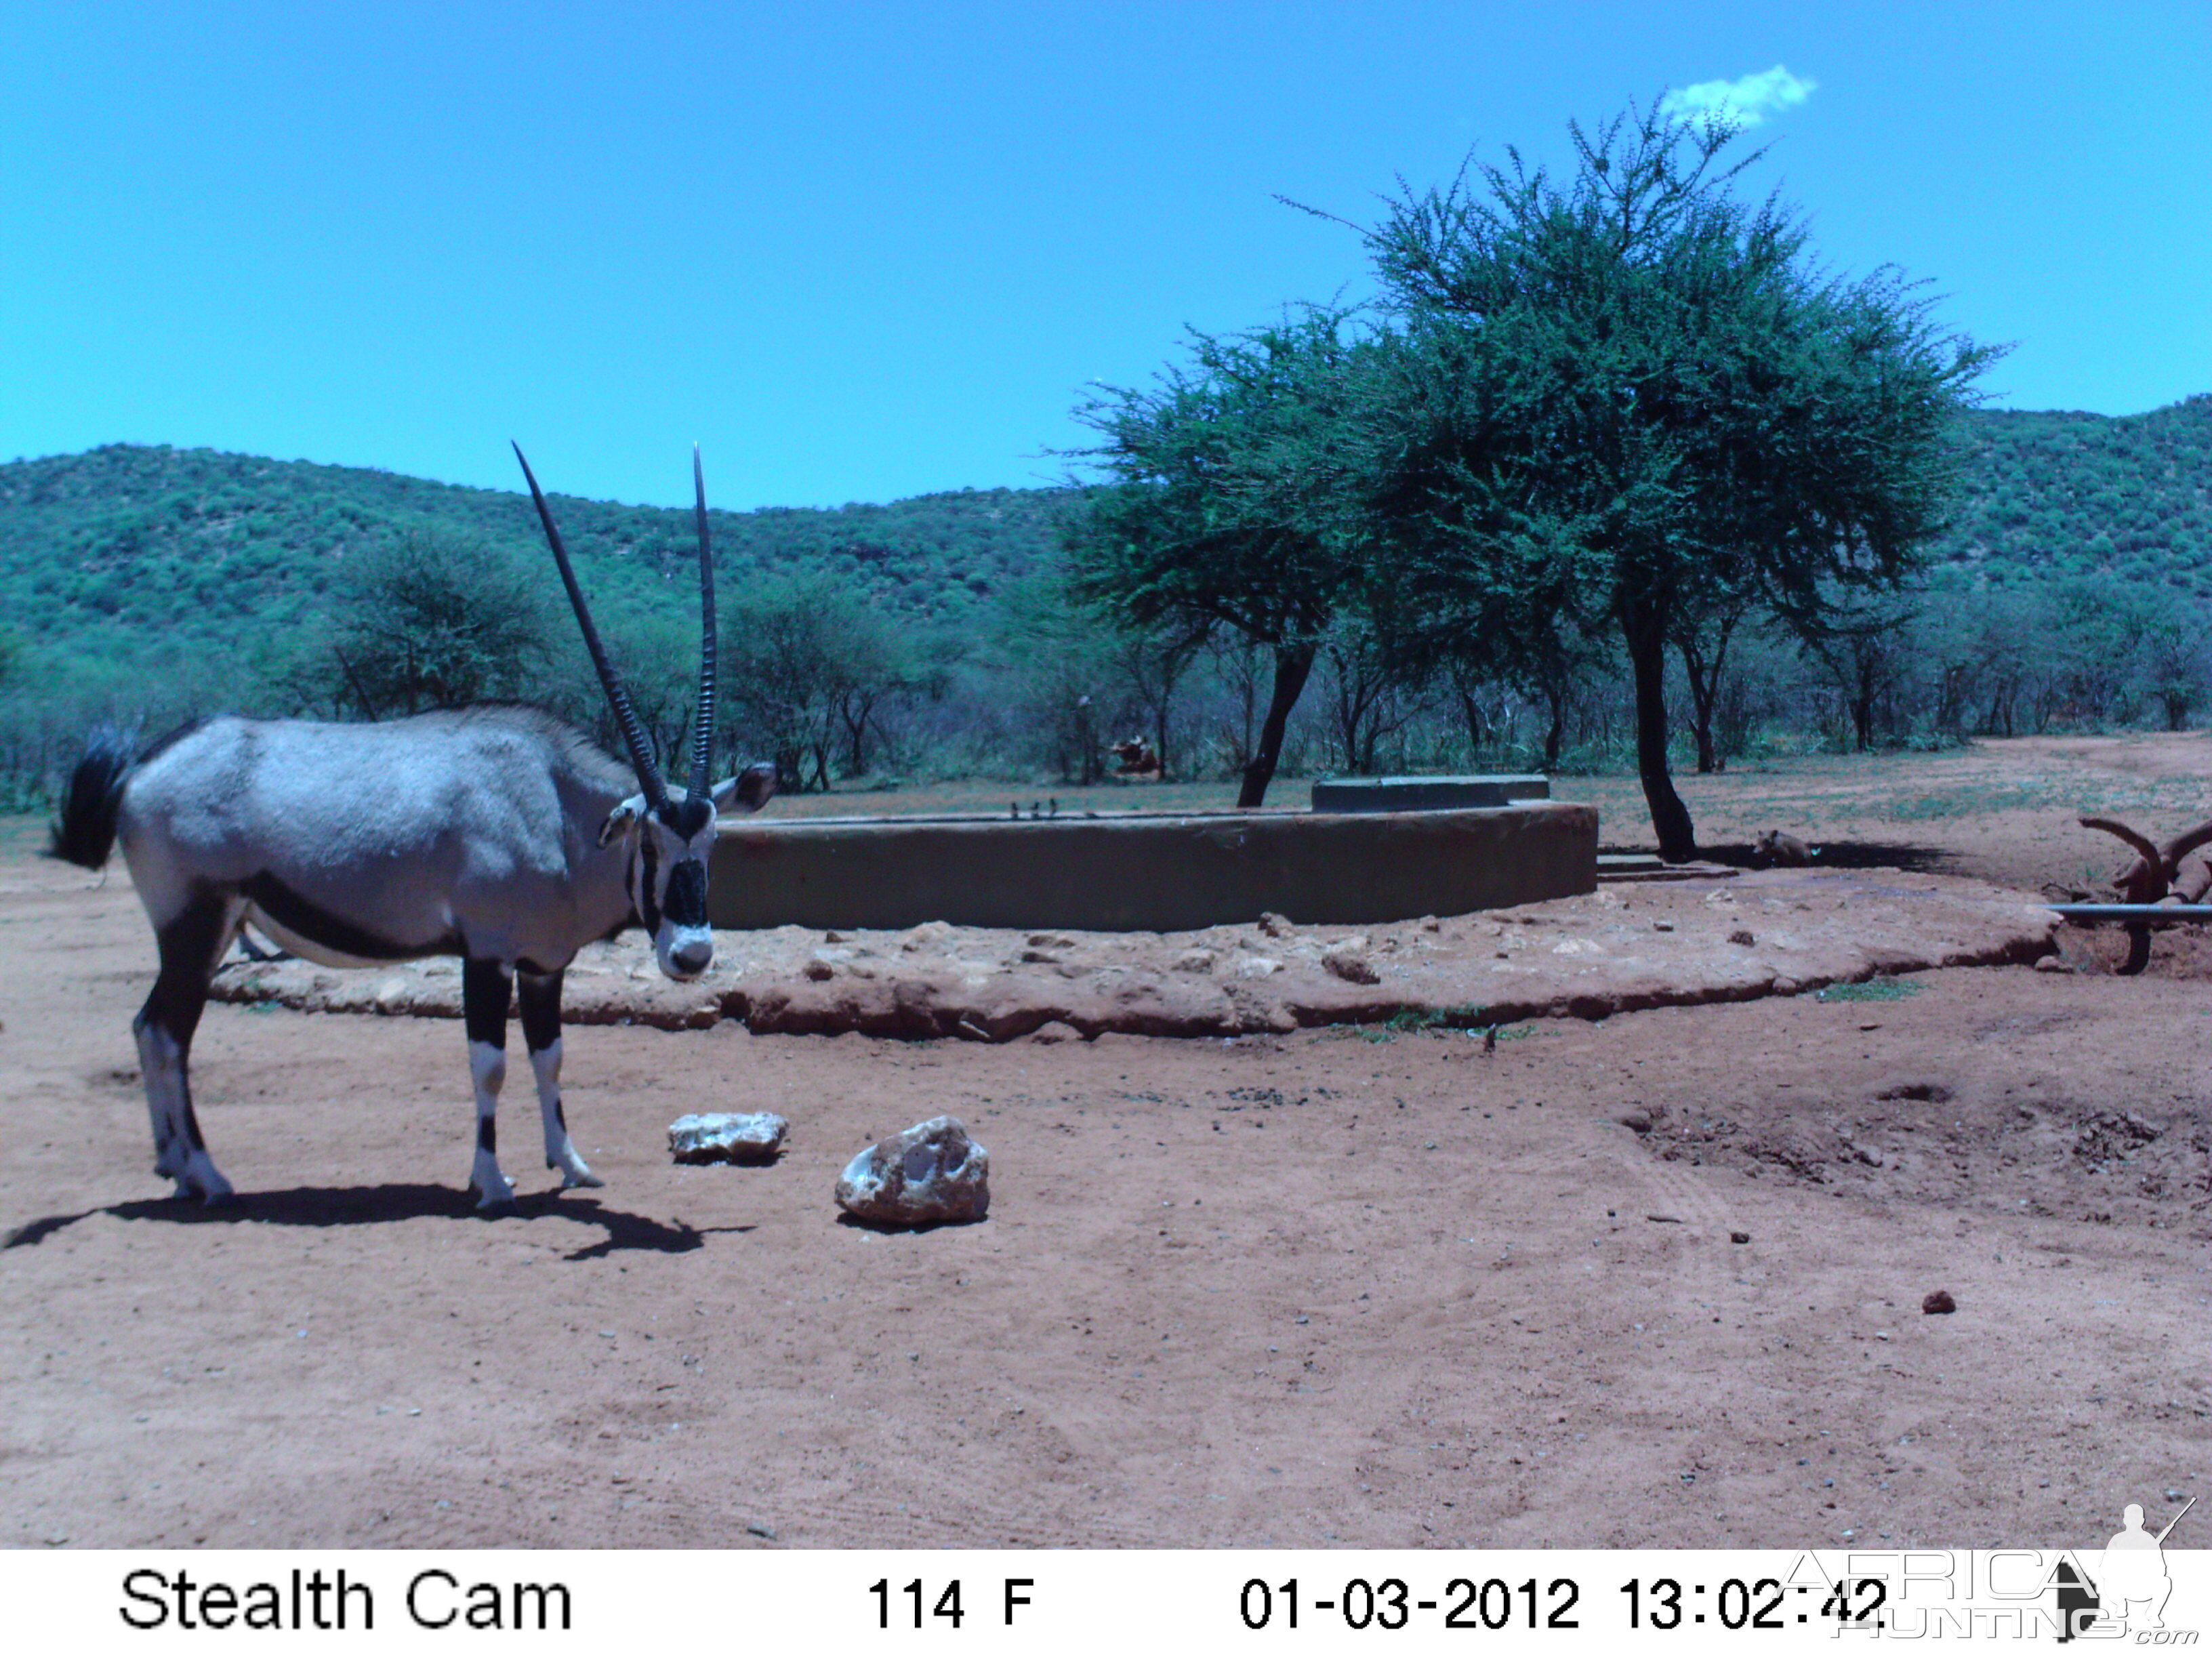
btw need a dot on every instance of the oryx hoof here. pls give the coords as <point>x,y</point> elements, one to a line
<point>209,1188</point>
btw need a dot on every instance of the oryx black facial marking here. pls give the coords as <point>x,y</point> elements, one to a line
<point>498,834</point>
<point>648,886</point>
<point>685,903</point>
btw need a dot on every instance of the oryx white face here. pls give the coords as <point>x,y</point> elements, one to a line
<point>669,850</point>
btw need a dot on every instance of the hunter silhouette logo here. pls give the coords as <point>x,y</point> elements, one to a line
<point>2131,1585</point>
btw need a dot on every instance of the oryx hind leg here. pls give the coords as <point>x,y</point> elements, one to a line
<point>191,942</point>
<point>485,985</point>
<point>539,996</point>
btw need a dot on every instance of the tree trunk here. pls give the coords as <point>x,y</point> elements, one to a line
<point>1478,732</point>
<point>1704,687</point>
<point>1293,663</point>
<point>1647,655</point>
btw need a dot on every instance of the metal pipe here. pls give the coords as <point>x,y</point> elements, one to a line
<point>2132,911</point>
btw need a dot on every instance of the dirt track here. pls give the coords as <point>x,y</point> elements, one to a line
<point>1287,1289</point>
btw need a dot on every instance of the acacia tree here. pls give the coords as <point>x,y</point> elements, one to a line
<point>432,625</point>
<point>1630,393</point>
<point>1226,510</point>
<point>805,661</point>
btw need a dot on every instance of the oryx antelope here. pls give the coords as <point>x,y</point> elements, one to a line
<point>496,834</point>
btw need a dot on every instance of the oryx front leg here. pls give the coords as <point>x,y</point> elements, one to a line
<point>540,998</point>
<point>485,985</point>
<point>191,943</point>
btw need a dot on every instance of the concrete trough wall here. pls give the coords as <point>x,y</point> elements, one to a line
<point>1149,872</point>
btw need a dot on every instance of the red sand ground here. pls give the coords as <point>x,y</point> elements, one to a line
<point>1291,1288</point>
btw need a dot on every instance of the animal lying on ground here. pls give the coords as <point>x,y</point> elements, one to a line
<point>1774,849</point>
<point>497,834</point>
<point>1138,762</point>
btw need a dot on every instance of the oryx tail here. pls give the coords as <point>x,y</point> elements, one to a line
<point>85,832</point>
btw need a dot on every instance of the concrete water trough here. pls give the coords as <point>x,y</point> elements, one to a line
<point>1161,872</point>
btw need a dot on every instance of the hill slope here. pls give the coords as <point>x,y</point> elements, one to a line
<point>2051,494</point>
<point>103,551</point>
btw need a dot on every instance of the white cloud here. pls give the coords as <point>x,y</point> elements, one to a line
<point>1748,101</point>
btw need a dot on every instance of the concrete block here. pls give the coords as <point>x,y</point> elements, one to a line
<point>1428,794</point>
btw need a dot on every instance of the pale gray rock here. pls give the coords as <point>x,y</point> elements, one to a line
<point>930,1173</point>
<point>726,1137</point>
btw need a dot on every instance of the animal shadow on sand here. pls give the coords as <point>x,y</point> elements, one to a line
<point>354,1206</point>
<point>1848,855</point>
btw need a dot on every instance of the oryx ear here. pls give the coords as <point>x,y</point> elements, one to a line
<point>619,821</point>
<point>748,791</point>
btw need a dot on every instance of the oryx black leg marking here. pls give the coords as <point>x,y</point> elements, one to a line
<point>485,985</point>
<point>191,942</point>
<point>539,998</point>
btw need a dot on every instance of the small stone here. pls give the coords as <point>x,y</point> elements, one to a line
<point>1663,927</point>
<point>1256,967</point>
<point>1785,985</point>
<point>1053,1030</point>
<point>1035,954</point>
<point>1350,964</point>
<point>833,937</point>
<point>1431,924</point>
<point>1739,1239</point>
<point>1742,936</point>
<point>1051,941</point>
<point>1275,926</point>
<point>727,1137</point>
<point>1198,961</point>
<point>930,1173</point>
<point>1869,1156</point>
<point>2052,966</point>
<point>759,1531</point>
<point>1938,1302</point>
<point>817,968</point>
<point>1639,1121</point>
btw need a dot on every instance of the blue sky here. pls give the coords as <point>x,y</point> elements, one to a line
<point>878,250</point>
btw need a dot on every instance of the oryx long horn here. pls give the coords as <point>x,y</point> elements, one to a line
<point>704,738</point>
<point>640,752</point>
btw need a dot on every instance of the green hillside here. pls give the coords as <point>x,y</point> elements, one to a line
<point>101,551</point>
<point>2052,495</point>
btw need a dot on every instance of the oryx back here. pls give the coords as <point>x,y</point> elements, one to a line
<point>463,833</point>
